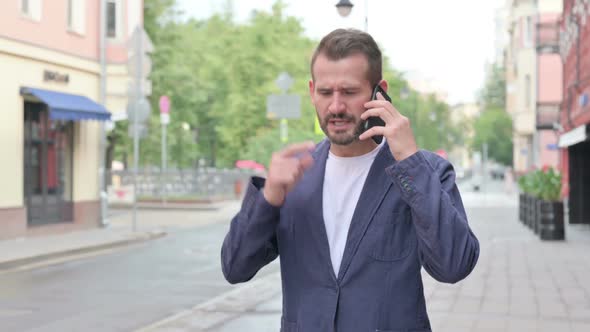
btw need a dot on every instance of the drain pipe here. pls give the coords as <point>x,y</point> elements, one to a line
<point>102,100</point>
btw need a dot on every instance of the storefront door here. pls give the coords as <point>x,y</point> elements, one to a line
<point>47,167</point>
<point>579,177</point>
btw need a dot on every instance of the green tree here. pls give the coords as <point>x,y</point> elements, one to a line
<point>494,125</point>
<point>493,94</point>
<point>218,74</point>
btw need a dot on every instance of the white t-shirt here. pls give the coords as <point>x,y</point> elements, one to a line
<point>343,182</point>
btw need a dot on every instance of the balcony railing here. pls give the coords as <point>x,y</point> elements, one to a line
<point>548,37</point>
<point>547,115</point>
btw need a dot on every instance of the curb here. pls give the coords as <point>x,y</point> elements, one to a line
<point>168,206</point>
<point>224,307</point>
<point>12,264</point>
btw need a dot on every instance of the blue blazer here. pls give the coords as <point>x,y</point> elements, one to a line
<point>409,215</point>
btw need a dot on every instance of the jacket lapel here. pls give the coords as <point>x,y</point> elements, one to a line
<point>373,192</point>
<point>313,182</point>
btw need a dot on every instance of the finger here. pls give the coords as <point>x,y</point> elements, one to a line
<point>374,131</point>
<point>298,148</point>
<point>377,103</point>
<point>380,112</point>
<point>306,162</point>
<point>383,104</point>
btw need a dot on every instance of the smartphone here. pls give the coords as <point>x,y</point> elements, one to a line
<point>374,121</point>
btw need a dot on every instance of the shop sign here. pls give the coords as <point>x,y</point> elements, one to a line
<point>53,76</point>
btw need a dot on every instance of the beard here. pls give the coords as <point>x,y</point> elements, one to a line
<point>342,137</point>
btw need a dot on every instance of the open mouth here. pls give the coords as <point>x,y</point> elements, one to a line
<point>340,124</point>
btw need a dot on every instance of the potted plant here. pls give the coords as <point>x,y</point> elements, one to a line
<point>528,184</point>
<point>550,206</point>
<point>525,183</point>
<point>535,184</point>
<point>522,198</point>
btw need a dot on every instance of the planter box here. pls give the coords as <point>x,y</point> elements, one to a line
<point>536,221</point>
<point>521,207</point>
<point>531,212</point>
<point>551,222</point>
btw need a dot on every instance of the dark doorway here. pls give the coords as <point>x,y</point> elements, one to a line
<point>579,177</point>
<point>48,166</point>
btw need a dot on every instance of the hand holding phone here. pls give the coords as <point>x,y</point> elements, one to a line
<point>375,120</point>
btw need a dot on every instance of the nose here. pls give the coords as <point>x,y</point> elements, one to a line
<point>337,105</point>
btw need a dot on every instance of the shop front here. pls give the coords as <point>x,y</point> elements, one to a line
<point>49,133</point>
<point>575,109</point>
<point>576,169</point>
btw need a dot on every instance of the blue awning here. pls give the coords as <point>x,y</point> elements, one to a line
<point>65,106</point>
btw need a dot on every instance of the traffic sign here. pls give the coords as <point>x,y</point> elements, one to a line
<point>283,107</point>
<point>146,42</point>
<point>164,118</point>
<point>143,109</point>
<point>284,81</point>
<point>164,104</point>
<point>142,130</point>
<point>144,61</point>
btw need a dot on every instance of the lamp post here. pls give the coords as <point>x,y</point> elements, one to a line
<point>344,8</point>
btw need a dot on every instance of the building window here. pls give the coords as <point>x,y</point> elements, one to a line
<point>70,14</point>
<point>25,8</point>
<point>111,19</point>
<point>528,32</point>
<point>77,16</point>
<point>31,9</point>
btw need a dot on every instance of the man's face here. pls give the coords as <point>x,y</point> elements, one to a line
<point>339,90</point>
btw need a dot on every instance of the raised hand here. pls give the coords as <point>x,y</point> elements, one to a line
<point>397,129</point>
<point>285,170</point>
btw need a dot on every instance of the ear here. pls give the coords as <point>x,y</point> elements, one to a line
<point>311,89</point>
<point>384,85</point>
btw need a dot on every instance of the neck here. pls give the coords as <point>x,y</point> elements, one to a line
<point>354,149</point>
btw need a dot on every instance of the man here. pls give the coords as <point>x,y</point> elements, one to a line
<point>353,221</point>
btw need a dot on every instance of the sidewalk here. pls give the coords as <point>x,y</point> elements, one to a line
<point>519,284</point>
<point>153,221</point>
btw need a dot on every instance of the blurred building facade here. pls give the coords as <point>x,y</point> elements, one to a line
<point>533,83</point>
<point>427,86</point>
<point>54,102</point>
<point>574,117</point>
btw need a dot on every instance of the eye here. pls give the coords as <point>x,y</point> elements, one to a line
<point>349,92</point>
<point>324,92</point>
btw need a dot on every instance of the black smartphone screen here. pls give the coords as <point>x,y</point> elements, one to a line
<point>374,121</point>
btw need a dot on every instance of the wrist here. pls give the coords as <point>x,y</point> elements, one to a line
<point>405,155</point>
<point>273,197</point>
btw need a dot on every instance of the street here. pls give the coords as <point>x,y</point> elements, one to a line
<point>519,284</point>
<point>119,291</point>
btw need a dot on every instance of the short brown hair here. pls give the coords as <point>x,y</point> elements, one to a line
<point>342,43</point>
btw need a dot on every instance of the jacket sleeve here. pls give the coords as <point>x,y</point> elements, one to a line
<point>251,242</point>
<point>448,248</point>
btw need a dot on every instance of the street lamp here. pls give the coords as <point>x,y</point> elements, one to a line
<point>345,7</point>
